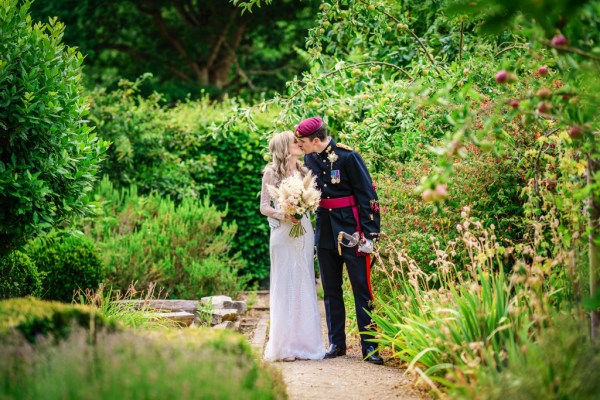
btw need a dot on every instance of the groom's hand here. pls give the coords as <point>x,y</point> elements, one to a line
<point>273,222</point>
<point>366,246</point>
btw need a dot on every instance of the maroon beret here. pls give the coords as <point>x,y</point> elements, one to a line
<point>308,127</point>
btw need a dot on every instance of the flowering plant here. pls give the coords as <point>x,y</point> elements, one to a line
<point>295,197</point>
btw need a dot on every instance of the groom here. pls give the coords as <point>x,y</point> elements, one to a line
<point>348,204</point>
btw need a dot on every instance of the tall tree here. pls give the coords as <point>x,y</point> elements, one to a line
<point>210,43</point>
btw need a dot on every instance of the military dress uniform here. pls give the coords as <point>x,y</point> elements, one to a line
<point>349,203</point>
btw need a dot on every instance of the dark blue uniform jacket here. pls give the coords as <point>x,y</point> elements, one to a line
<point>354,180</point>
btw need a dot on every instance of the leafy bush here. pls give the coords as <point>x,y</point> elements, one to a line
<point>561,364</point>
<point>142,148</point>
<point>180,152</point>
<point>191,363</point>
<point>19,276</point>
<point>48,155</point>
<point>489,184</point>
<point>67,263</point>
<point>185,248</point>
<point>34,318</point>
<point>448,323</point>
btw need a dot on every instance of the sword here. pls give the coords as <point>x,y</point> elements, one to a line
<point>352,240</point>
<point>364,245</point>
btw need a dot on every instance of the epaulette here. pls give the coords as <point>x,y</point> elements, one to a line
<point>344,147</point>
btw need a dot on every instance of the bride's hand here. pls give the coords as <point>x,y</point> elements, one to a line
<point>294,220</point>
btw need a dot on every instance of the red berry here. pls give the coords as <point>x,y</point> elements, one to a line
<point>544,93</point>
<point>501,76</point>
<point>543,107</point>
<point>514,104</point>
<point>543,70</point>
<point>559,40</point>
<point>575,132</point>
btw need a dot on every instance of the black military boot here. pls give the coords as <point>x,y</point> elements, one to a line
<point>335,351</point>
<point>370,354</point>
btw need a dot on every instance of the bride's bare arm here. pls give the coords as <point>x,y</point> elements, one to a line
<point>266,207</point>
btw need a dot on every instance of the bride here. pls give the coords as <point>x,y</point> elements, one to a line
<point>295,322</point>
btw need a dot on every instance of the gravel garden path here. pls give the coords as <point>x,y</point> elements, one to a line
<point>346,377</point>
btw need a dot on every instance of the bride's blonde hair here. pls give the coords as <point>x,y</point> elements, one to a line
<point>279,147</point>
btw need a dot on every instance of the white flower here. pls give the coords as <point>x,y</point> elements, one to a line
<point>296,195</point>
<point>332,157</point>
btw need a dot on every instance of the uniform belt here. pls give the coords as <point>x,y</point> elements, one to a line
<point>340,202</point>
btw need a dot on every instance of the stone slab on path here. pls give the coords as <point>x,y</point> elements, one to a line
<point>181,317</point>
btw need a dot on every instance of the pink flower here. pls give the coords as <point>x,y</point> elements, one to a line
<point>559,41</point>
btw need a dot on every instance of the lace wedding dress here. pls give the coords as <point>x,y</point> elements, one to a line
<point>295,322</point>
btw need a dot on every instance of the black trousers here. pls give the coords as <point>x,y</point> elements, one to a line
<point>331,265</point>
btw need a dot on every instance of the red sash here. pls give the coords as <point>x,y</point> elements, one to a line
<point>350,201</point>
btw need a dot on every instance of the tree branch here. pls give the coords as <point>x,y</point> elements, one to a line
<point>240,72</point>
<point>216,47</point>
<point>460,45</point>
<point>571,50</point>
<point>177,45</point>
<point>185,14</point>
<point>414,35</point>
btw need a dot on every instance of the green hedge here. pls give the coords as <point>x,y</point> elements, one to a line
<point>37,318</point>
<point>179,152</point>
<point>19,276</point>
<point>67,263</point>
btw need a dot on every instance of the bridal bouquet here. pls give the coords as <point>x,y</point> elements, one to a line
<point>295,197</point>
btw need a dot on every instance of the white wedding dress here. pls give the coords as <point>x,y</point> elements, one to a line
<point>295,321</point>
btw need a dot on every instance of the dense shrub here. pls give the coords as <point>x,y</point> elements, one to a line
<point>19,276</point>
<point>48,155</point>
<point>561,364</point>
<point>67,263</point>
<point>489,184</point>
<point>141,151</point>
<point>180,152</point>
<point>185,248</point>
<point>189,364</point>
<point>34,318</point>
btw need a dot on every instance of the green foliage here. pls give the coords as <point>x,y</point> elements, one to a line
<point>130,309</point>
<point>19,276</point>
<point>246,53</point>
<point>486,182</point>
<point>459,318</point>
<point>34,318</point>
<point>196,363</point>
<point>67,263</point>
<point>181,152</point>
<point>185,248</point>
<point>48,155</point>
<point>562,363</point>
<point>145,148</point>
